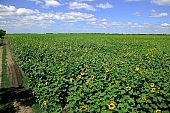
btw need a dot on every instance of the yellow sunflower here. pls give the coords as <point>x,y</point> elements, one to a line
<point>144,98</point>
<point>92,76</point>
<point>152,85</point>
<point>79,76</point>
<point>128,87</point>
<point>83,108</point>
<point>82,73</point>
<point>71,79</point>
<point>153,90</point>
<point>158,111</point>
<point>44,103</point>
<point>137,69</point>
<point>107,70</point>
<point>111,105</point>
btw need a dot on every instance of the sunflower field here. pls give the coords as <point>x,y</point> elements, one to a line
<point>96,73</point>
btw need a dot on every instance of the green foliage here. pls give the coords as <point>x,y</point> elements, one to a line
<point>96,73</point>
<point>2,33</point>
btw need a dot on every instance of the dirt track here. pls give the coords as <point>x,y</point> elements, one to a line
<point>20,95</point>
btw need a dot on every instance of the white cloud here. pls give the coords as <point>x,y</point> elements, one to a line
<point>104,6</point>
<point>8,11</point>
<point>161,2</point>
<point>51,3</point>
<point>78,5</point>
<point>84,0</point>
<point>157,15</point>
<point>36,1</point>
<point>132,0</point>
<point>136,14</point>
<point>165,25</point>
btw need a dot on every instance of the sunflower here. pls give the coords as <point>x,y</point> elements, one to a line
<point>137,77</point>
<point>79,76</point>
<point>158,111</point>
<point>137,69</point>
<point>88,81</point>
<point>71,79</point>
<point>123,61</point>
<point>128,87</point>
<point>152,85</point>
<point>44,103</point>
<point>153,90</point>
<point>107,70</point>
<point>144,98</point>
<point>46,83</point>
<point>82,73</point>
<point>104,77</point>
<point>111,105</point>
<point>83,108</point>
<point>92,76</point>
<point>36,80</point>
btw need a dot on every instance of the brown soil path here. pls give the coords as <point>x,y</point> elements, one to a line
<point>20,95</point>
<point>1,65</point>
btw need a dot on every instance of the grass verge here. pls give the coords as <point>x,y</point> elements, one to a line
<point>5,80</point>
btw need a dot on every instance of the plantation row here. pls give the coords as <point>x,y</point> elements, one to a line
<point>96,73</point>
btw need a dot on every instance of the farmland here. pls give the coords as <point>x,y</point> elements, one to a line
<point>95,72</point>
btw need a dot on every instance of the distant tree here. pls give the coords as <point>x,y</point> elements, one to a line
<point>2,34</point>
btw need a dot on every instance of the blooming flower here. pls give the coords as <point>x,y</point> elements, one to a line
<point>137,69</point>
<point>158,111</point>
<point>107,70</point>
<point>92,76</point>
<point>46,83</point>
<point>105,77</point>
<point>71,79</point>
<point>83,108</point>
<point>153,90</point>
<point>79,76</point>
<point>82,73</point>
<point>144,98</point>
<point>44,103</point>
<point>152,85</point>
<point>111,105</point>
<point>128,87</point>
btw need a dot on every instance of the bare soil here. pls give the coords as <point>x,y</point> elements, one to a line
<point>19,93</point>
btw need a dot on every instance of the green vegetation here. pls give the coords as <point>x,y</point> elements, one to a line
<point>2,34</point>
<point>96,72</point>
<point>5,80</point>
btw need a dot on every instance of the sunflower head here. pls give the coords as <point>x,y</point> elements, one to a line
<point>153,90</point>
<point>144,98</point>
<point>137,69</point>
<point>111,105</point>
<point>104,77</point>
<point>71,79</point>
<point>158,111</point>
<point>82,73</point>
<point>152,85</point>
<point>92,76</point>
<point>128,88</point>
<point>79,76</point>
<point>107,70</point>
<point>83,108</point>
<point>44,103</point>
<point>46,83</point>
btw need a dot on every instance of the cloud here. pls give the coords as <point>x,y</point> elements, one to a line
<point>104,6</point>
<point>36,1</point>
<point>136,14</point>
<point>132,0</point>
<point>9,11</point>
<point>165,25</point>
<point>12,17</point>
<point>52,3</point>
<point>157,15</point>
<point>78,5</point>
<point>84,0</point>
<point>161,2</point>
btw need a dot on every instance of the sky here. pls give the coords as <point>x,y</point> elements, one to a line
<point>85,16</point>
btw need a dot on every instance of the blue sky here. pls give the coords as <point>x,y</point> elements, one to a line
<point>85,16</point>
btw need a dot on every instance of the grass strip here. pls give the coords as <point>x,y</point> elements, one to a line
<point>5,80</point>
